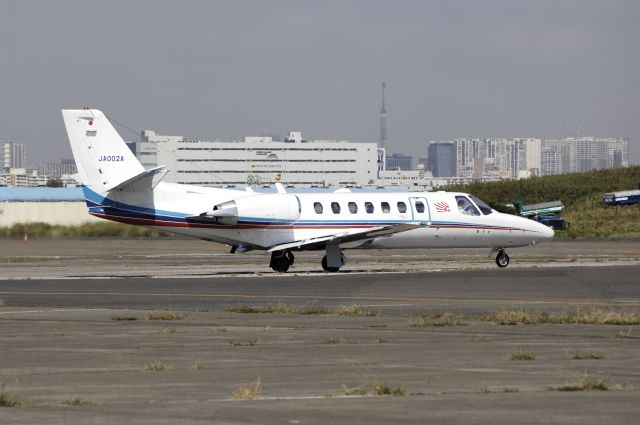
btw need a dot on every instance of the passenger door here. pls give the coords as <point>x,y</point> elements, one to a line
<point>420,209</point>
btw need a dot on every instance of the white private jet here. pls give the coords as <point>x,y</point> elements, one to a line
<point>116,187</point>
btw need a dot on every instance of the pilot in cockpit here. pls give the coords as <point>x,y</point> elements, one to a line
<point>466,207</point>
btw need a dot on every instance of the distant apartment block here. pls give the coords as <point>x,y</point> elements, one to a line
<point>582,154</point>
<point>12,155</point>
<point>489,158</point>
<point>504,158</point>
<point>55,170</point>
<point>22,177</point>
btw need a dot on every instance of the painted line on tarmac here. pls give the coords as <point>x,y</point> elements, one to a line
<point>312,297</point>
<point>56,310</point>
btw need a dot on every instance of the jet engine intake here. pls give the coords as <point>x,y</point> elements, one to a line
<point>258,209</point>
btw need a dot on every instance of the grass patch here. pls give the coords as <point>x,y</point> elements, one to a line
<point>87,230</point>
<point>333,341</point>
<point>197,365</point>
<point>585,382</point>
<point>581,317</point>
<point>165,315</point>
<point>439,319</point>
<point>124,318</point>
<point>169,331</point>
<point>245,343</point>
<point>354,310</point>
<point>374,388</point>
<point>487,389</point>
<point>248,393</point>
<point>279,308</point>
<point>623,334</point>
<point>522,355</point>
<point>585,355</point>
<point>242,308</point>
<point>156,367</point>
<point>10,399</point>
<point>77,401</point>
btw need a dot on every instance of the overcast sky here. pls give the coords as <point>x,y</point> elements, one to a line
<point>224,70</point>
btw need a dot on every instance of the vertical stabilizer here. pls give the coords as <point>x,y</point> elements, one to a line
<point>104,160</point>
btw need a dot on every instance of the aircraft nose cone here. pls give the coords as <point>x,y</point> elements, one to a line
<point>547,233</point>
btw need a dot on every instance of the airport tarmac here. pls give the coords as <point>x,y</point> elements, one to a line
<point>93,340</point>
<point>176,257</point>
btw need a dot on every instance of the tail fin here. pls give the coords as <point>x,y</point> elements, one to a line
<point>104,161</point>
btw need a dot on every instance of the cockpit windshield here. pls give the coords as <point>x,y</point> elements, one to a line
<point>465,206</point>
<point>486,209</point>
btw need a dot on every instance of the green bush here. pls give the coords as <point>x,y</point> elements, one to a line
<point>581,194</point>
<point>88,230</point>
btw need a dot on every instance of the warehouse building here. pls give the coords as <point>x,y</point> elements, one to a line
<point>261,161</point>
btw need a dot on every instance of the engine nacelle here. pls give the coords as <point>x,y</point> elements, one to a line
<point>274,207</point>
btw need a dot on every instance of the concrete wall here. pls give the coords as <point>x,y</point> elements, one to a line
<point>63,213</point>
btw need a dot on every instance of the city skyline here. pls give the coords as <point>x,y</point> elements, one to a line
<point>214,70</point>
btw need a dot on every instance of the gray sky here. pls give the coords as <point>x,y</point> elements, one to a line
<point>223,70</point>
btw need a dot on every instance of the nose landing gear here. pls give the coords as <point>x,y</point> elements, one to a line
<point>502,259</point>
<point>281,261</point>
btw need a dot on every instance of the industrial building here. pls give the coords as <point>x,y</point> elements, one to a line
<point>398,161</point>
<point>55,206</point>
<point>261,161</point>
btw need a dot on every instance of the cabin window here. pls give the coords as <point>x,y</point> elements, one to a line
<point>353,207</point>
<point>386,208</point>
<point>465,206</point>
<point>486,209</point>
<point>419,207</point>
<point>402,207</point>
<point>368,206</point>
<point>335,207</point>
<point>317,206</point>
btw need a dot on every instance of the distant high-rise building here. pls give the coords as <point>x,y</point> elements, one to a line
<point>399,161</point>
<point>441,159</point>
<point>383,121</point>
<point>12,155</point>
<point>582,154</point>
<point>55,170</point>
<point>499,158</point>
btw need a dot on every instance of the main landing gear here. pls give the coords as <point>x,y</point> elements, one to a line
<point>334,259</point>
<point>281,261</point>
<point>502,259</point>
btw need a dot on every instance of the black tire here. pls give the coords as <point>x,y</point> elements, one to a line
<point>328,269</point>
<point>502,259</point>
<point>281,263</point>
<point>281,266</point>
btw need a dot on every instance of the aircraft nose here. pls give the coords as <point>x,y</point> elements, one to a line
<point>547,233</point>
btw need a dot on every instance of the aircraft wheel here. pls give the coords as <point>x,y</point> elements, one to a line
<point>502,259</point>
<point>281,261</point>
<point>328,269</point>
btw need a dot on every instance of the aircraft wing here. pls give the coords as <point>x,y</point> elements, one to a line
<point>346,237</point>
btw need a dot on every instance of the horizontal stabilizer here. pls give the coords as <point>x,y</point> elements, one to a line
<point>146,180</point>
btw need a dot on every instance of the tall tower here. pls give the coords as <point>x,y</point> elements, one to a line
<point>383,121</point>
